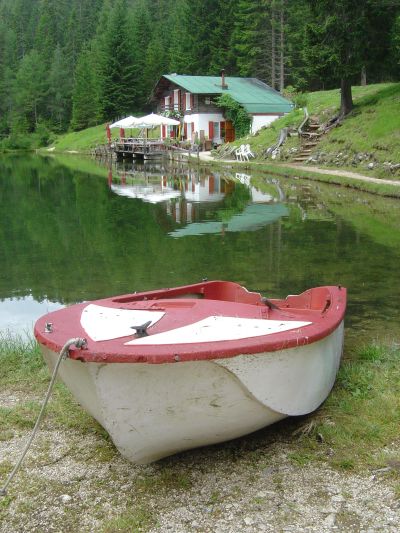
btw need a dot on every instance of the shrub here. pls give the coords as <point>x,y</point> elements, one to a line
<point>236,113</point>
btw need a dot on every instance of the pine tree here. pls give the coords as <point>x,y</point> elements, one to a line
<point>86,108</point>
<point>30,88</point>
<point>7,58</point>
<point>297,17</point>
<point>46,32</point>
<point>205,19</point>
<point>120,74</point>
<point>222,55</point>
<point>156,63</point>
<point>138,39</point>
<point>60,89</point>
<point>22,19</point>
<point>180,45</point>
<point>253,40</point>
<point>81,24</point>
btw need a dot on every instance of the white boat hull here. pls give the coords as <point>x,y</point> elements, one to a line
<point>155,410</point>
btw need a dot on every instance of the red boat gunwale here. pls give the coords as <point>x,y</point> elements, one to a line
<point>324,307</point>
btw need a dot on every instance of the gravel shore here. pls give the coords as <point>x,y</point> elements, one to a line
<point>75,481</point>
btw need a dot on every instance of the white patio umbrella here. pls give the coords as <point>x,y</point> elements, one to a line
<point>153,120</point>
<point>127,122</point>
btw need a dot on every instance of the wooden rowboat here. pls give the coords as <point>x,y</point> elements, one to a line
<point>172,369</point>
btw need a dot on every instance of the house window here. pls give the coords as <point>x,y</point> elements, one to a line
<point>167,100</point>
<point>188,106</point>
<point>176,99</point>
<point>171,131</point>
<point>217,131</point>
<point>207,100</point>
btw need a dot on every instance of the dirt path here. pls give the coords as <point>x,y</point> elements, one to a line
<point>343,173</point>
<point>207,157</point>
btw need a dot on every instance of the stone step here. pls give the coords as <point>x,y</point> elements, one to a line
<point>311,135</point>
<point>301,158</point>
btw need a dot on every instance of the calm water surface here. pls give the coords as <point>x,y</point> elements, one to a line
<point>74,230</point>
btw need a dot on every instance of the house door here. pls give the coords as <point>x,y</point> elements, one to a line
<point>229,132</point>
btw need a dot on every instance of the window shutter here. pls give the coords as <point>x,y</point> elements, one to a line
<point>185,130</point>
<point>229,131</point>
<point>211,130</point>
<point>163,135</point>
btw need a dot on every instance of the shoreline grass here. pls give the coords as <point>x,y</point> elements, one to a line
<point>280,169</point>
<point>328,456</point>
<point>361,415</point>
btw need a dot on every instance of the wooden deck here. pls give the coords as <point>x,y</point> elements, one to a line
<point>139,147</point>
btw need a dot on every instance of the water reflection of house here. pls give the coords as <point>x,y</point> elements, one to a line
<point>182,195</point>
<point>196,191</point>
<point>149,192</point>
<point>191,198</point>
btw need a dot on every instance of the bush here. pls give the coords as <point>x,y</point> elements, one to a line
<point>17,141</point>
<point>236,113</point>
<point>43,135</point>
<point>299,98</point>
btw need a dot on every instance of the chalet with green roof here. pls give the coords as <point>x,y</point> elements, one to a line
<point>192,99</point>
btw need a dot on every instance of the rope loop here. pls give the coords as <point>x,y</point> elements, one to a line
<point>79,343</point>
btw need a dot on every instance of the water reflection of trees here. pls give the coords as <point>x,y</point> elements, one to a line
<point>66,237</point>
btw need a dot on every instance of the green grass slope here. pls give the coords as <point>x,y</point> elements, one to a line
<point>82,141</point>
<point>86,140</point>
<point>373,128</point>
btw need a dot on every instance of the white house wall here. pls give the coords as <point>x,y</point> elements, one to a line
<point>201,120</point>
<point>262,120</point>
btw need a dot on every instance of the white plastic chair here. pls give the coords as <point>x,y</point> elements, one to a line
<point>241,153</point>
<point>248,151</point>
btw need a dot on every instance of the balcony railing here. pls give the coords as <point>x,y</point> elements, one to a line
<point>173,107</point>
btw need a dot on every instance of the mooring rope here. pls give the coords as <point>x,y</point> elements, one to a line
<point>79,343</point>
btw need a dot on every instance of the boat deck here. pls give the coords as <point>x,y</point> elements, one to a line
<point>210,320</point>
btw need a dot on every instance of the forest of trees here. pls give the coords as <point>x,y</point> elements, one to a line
<point>70,64</point>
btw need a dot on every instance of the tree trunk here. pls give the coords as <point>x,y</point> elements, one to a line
<point>346,98</point>
<point>282,47</point>
<point>363,76</point>
<point>273,50</point>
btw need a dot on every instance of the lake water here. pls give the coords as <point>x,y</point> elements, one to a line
<point>73,230</point>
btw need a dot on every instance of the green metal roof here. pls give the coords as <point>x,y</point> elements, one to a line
<point>254,95</point>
